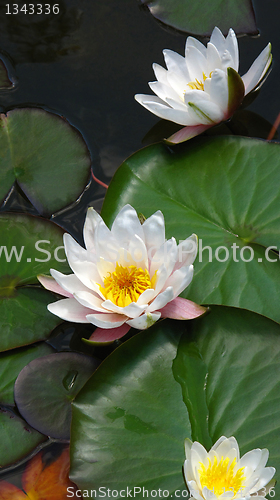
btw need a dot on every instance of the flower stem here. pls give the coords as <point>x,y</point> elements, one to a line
<point>274,128</point>
<point>98,181</point>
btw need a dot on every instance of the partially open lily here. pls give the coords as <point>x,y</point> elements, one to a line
<point>204,87</point>
<point>127,277</point>
<point>222,474</point>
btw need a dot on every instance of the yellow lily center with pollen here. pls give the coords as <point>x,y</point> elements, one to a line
<point>125,285</point>
<point>219,477</point>
<point>198,84</point>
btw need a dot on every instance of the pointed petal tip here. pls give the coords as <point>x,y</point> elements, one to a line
<point>107,336</point>
<point>186,133</point>
<point>183,309</point>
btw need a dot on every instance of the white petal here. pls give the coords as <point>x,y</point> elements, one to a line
<point>193,42</point>
<point>196,63</point>
<point>187,251</point>
<point>198,454</point>
<point>225,446</point>
<point>133,310</point>
<point>207,111</point>
<point>165,255</point>
<point>232,46</point>
<point>161,278</point>
<point>209,494</point>
<point>188,445</point>
<point>251,459</point>
<point>160,73</point>
<point>154,232</point>
<point>146,297</point>
<point>68,282</point>
<point>213,59</point>
<point>176,64</point>
<point>69,310</point>
<point>165,92</point>
<point>144,321</point>
<point>105,243</point>
<point>161,300</point>
<point>85,270</point>
<point>217,87</point>
<point>222,438</point>
<point>74,251</point>
<point>257,70</point>
<point>177,83</point>
<point>180,279</point>
<point>92,219</point>
<point>138,251</point>
<point>163,111</point>
<point>266,475</point>
<point>90,301</point>
<point>218,39</point>
<point>126,225</point>
<point>109,320</point>
<point>50,284</point>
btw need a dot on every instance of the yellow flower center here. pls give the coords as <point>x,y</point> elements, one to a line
<point>125,285</point>
<point>198,84</point>
<point>219,477</point>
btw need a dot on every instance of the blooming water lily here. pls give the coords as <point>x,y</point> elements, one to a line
<point>128,276</point>
<point>204,87</point>
<point>221,473</point>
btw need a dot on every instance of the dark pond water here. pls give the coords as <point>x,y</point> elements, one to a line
<point>87,63</point>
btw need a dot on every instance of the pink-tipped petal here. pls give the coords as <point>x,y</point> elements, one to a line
<point>187,133</point>
<point>109,335</point>
<point>180,308</point>
<point>50,284</point>
<point>70,310</point>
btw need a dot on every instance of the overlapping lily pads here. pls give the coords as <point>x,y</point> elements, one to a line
<point>11,363</point>
<point>130,421</point>
<point>227,191</point>
<point>47,158</point>
<point>17,438</point>
<point>200,18</point>
<point>29,246</point>
<point>45,388</point>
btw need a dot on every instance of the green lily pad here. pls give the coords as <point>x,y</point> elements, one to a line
<point>46,387</point>
<point>45,155</point>
<point>12,363</point>
<point>129,421</point>
<point>200,18</point>
<point>17,438</point>
<point>29,246</point>
<point>226,190</point>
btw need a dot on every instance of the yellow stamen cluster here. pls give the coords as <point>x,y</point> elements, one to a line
<point>125,285</point>
<point>198,84</point>
<point>219,477</point>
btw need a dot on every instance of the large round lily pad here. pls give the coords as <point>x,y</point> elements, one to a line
<point>45,155</point>
<point>46,387</point>
<point>227,191</point>
<point>130,420</point>
<point>29,246</point>
<point>200,18</point>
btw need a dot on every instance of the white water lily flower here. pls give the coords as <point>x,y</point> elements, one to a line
<point>128,276</point>
<point>204,87</point>
<point>221,473</point>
